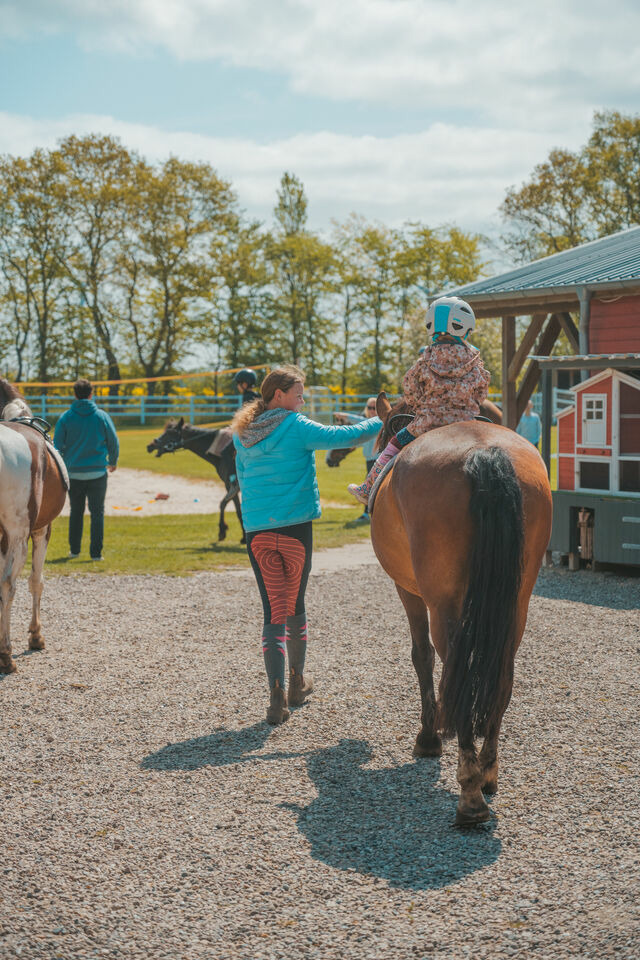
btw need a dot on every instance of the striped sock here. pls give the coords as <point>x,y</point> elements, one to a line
<point>297,642</point>
<point>273,648</point>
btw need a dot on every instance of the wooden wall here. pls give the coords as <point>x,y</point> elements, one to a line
<point>614,325</point>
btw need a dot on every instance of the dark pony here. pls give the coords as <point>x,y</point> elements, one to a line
<point>178,435</point>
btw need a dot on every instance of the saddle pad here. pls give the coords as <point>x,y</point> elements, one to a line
<point>61,465</point>
<point>388,467</point>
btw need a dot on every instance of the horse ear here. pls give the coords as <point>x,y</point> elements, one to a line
<point>382,405</point>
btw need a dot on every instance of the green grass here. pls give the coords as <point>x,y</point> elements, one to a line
<point>181,545</point>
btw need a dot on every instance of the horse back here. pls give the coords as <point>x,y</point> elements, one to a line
<point>429,497</point>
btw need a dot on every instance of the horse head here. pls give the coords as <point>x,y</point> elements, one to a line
<point>170,440</point>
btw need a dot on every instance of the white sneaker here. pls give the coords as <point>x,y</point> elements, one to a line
<point>96,559</point>
<point>72,556</point>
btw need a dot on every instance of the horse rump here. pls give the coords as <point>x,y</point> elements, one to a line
<point>478,671</point>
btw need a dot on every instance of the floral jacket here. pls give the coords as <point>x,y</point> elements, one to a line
<point>448,383</point>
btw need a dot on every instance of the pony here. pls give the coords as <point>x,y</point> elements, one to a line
<point>461,524</point>
<point>33,488</point>
<point>178,435</point>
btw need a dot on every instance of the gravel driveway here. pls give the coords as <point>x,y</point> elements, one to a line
<point>149,812</point>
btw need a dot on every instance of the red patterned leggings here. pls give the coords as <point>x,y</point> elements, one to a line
<point>281,561</point>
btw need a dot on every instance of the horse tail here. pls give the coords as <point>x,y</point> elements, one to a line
<point>478,671</point>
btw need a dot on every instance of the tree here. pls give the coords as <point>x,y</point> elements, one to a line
<point>301,278</point>
<point>167,273</point>
<point>575,197</point>
<point>32,249</point>
<point>97,193</point>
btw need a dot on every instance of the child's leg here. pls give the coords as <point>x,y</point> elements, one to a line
<point>392,449</point>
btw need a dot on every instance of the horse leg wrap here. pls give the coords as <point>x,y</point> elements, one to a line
<point>297,642</point>
<point>273,648</point>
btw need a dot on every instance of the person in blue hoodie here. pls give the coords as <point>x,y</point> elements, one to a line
<point>275,462</point>
<point>87,440</point>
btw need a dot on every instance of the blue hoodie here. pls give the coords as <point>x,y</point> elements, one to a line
<point>277,473</point>
<point>86,438</point>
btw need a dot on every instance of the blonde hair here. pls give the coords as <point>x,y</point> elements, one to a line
<point>282,378</point>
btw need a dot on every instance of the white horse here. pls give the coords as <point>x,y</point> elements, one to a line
<point>33,487</point>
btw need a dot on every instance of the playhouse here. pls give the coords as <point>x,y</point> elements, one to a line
<point>599,437</point>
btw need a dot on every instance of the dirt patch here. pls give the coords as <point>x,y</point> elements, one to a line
<point>134,492</point>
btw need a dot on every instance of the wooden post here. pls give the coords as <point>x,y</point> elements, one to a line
<point>509,412</point>
<point>547,415</point>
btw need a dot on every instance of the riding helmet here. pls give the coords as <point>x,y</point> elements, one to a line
<point>246,376</point>
<point>450,315</point>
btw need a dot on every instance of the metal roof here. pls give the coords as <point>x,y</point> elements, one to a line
<point>592,361</point>
<point>610,262</point>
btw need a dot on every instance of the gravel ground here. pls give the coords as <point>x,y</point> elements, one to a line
<point>149,812</point>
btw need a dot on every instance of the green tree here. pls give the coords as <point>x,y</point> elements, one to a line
<point>575,197</point>
<point>32,248</point>
<point>165,264</point>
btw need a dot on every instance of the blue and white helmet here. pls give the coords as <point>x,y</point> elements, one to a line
<point>450,315</point>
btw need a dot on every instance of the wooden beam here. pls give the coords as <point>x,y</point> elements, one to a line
<point>570,330</point>
<point>509,411</point>
<point>544,347</point>
<point>524,309</point>
<point>530,337</point>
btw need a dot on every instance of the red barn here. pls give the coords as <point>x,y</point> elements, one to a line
<point>599,437</point>
<point>591,294</point>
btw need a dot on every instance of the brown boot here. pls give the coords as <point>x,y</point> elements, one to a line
<point>277,711</point>
<point>299,688</point>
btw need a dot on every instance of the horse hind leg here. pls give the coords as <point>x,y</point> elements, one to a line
<point>14,554</point>
<point>428,742</point>
<point>40,541</point>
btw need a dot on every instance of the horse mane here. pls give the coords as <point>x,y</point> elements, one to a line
<point>8,394</point>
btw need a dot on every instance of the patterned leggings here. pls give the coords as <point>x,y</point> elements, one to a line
<point>281,561</point>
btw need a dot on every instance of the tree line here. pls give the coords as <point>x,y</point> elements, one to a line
<point>114,267</point>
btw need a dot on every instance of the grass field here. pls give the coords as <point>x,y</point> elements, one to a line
<point>183,544</point>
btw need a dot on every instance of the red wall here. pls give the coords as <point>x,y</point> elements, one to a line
<point>614,327</point>
<point>566,427</point>
<point>566,477</point>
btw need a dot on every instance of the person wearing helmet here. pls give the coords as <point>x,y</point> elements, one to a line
<point>245,380</point>
<point>447,383</point>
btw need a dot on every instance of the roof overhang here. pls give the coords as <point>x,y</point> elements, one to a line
<point>543,299</point>
<point>595,361</point>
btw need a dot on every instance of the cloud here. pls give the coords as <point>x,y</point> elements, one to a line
<point>443,174</point>
<point>541,60</point>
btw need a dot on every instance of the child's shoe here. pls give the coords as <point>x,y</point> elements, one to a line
<point>361,491</point>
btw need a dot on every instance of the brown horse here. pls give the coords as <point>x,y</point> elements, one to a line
<point>461,524</point>
<point>32,494</point>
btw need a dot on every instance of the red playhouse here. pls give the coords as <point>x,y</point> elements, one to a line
<point>591,296</point>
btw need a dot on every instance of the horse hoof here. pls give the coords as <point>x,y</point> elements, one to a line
<point>472,816</point>
<point>36,643</point>
<point>427,747</point>
<point>7,664</point>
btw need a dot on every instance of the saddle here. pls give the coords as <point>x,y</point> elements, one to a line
<point>42,426</point>
<point>38,423</point>
<point>397,423</point>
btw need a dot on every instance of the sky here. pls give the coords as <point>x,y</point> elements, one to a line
<point>394,109</point>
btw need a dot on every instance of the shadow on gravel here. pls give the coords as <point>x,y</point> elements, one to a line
<point>219,749</point>
<point>396,824</point>
<point>600,589</point>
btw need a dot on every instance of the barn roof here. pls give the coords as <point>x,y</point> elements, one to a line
<point>554,283</point>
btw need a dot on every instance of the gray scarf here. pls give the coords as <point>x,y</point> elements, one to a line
<point>262,426</point>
